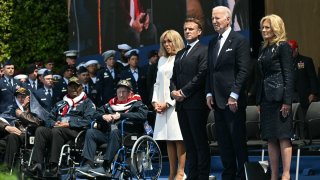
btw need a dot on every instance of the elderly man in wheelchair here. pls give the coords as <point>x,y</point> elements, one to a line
<point>107,129</point>
<point>67,118</point>
<point>14,124</point>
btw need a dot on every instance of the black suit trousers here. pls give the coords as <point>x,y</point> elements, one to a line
<point>193,128</point>
<point>12,148</point>
<point>231,135</point>
<point>54,138</point>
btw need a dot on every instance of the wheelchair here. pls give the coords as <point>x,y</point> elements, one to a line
<point>68,159</point>
<point>138,157</point>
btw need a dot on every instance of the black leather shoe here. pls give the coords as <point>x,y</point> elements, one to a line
<point>52,172</point>
<point>35,169</point>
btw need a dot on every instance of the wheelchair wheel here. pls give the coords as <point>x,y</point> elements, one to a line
<point>146,158</point>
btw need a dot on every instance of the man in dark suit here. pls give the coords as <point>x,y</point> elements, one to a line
<point>228,68</point>
<point>306,83</point>
<point>8,86</point>
<point>188,89</point>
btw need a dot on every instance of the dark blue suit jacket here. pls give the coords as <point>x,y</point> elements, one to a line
<point>189,75</point>
<point>229,71</point>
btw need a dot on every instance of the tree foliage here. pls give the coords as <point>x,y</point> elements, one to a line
<point>33,30</point>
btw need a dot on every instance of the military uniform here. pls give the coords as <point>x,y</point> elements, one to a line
<point>61,88</point>
<point>106,85</point>
<point>30,87</point>
<point>46,99</point>
<point>92,92</point>
<point>7,93</point>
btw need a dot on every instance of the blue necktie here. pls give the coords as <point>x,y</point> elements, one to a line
<point>185,53</point>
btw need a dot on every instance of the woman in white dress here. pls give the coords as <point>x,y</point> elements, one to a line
<point>167,126</point>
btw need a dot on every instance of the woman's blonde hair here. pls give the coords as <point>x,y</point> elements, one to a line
<point>278,28</point>
<point>176,40</point>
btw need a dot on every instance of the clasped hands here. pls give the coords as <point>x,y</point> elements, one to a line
<point>159,107</point>
<point>177,95</point>
<point>61,124</point>
<point>111,117</point>
<point>285,110</point>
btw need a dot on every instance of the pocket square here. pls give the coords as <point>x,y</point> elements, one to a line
<point>228,50</point>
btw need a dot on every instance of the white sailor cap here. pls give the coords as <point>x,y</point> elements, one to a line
<point>71,53</point>
<point>82,64</point>
<point>41,71</point>
<point>90,62</point>
<point>125,47</point>
<point>131,52</point>
<point>20,76</point>
<point>57,76</point>
<point>108,54</point>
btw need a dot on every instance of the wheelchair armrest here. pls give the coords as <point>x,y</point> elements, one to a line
<point>79,136</point>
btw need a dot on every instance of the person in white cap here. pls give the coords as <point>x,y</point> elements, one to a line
<point>71,57</point>
<point>21,77</point>
<point>123,61</point>
<point>40,75</point>
<point>93,66</point>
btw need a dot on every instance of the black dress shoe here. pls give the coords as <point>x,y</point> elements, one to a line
<point>52,172</point>
<point>35,169</point>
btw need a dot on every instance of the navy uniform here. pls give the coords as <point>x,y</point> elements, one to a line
<point>93,93</point>
<point>7,91</point>
<point>137,76</point>
<point>108,78</point>
<point>88,87</point>
<point>61,86</point>
<point>123,48</point>
<point>32,85</point>
<point>46,96</point>
<point>77,112</point>
<point>46,99</point>
<point>106,84</point>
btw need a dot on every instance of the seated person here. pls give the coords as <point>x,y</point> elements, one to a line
<point>124,105</point>
<point>13,124</point>
<point>67,118</point>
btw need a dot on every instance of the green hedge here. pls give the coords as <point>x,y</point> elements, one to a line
<point>33,30</point>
